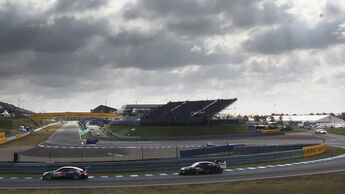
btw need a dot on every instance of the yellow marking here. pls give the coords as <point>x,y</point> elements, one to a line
<point>314,150</point>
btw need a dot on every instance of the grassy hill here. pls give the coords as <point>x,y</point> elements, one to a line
<point>10,126</point>
<point>165,131</point>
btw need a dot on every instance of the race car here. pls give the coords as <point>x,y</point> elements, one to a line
<point>204,167</point>
<point>320,131</point>
<point>66,172</point>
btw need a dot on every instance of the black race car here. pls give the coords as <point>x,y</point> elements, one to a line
<point>66,172</point>
<point>201,168</point>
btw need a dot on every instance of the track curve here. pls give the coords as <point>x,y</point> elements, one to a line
<point>326,166</point>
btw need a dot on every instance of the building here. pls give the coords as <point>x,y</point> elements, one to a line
<point>103,109</point>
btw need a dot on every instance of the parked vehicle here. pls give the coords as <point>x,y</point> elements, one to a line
<point>204,167</point>
<point>66,172</point>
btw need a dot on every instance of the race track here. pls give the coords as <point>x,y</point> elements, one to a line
<point>334,165</point>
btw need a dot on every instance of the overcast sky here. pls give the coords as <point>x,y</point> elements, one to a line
<point>274,56</point>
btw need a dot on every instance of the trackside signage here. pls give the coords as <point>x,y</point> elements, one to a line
<point>270,131</point>
<point>73,115</point>
<point>313,150</point>
<point>2,138</point>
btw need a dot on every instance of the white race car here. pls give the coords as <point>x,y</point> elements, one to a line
<point>320,131</point>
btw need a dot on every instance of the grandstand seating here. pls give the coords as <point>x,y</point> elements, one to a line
<point>185,112</point>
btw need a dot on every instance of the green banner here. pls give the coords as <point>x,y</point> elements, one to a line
<point>82,132</point>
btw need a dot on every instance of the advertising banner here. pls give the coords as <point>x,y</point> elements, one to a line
<point>313,150</point>
<point>270,130</point>
<point>2,138</point>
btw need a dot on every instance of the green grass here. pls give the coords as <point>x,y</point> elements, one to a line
<point>34,138</point>
<point>165,131</point>
<point>330,151</point>
<point>336,131</point>
<point>86,136</point>
<point>11,126</point>
<point>332,183</point>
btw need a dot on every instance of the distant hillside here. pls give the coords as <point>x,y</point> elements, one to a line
<point>15,111</point>
<point>10,126</point>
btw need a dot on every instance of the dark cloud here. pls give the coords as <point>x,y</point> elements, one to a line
<point>66,34</point>
<point>160,52</point>
<point>200,18</point>
<point>17,31</point>
<point>149,48</point>
<point>20,31</point>
<point>196,27</point>
<point>294,36</point>
<point>78,5</point>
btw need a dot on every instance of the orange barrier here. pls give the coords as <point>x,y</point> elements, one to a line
<point>18,136</point>
<point>314,150</point>
<point>270,130</point>
<point>2,138</point>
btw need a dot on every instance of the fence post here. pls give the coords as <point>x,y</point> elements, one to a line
<point>176,152</point>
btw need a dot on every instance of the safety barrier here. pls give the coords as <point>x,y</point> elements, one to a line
<point>208,150</point>
<point>314,150</point>
<point>256,149</point>
<point>162,164</point>
<point>198,137</point>
<point>270,131</point>
<point>2,138</point>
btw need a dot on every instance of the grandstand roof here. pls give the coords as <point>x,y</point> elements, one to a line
<point>186,111</point>
<point>103,109</point>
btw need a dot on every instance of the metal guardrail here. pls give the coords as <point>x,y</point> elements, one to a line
<point>249,149</point>
<point>208,150</point>
<point>162,164</point>
<point>222,136</point>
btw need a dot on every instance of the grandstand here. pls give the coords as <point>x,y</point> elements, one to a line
<point>185,112</point>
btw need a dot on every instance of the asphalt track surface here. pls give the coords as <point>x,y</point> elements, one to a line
<point>334,165</point>
<point>68,134</point>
